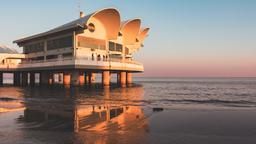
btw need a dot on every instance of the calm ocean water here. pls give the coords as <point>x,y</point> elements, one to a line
<point>161,92</point>
<point>194,92</point>
<point>57,114</point>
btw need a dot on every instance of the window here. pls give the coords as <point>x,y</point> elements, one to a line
<point>63,42</point>
<point>91,27</point>
<point>119,48</point>
<point>115,47</point>
<point>32,48</point>
<point>92,43</point>
<point>111,46</point>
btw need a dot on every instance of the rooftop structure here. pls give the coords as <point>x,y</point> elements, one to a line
<point>5,49</point>
<point>97,43</point>
<point>9,58</point>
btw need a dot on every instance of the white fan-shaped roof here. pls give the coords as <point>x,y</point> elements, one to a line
<point>129,30</point>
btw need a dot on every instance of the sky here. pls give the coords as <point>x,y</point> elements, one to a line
<point>187,38</point>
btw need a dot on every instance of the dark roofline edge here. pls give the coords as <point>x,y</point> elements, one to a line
<point>22,40</point>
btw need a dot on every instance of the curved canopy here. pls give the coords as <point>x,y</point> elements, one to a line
<point>130,30</point>
<point>109,17</point>
<point>109,25</point>
<point>111,20</point>
<point>143,34</point>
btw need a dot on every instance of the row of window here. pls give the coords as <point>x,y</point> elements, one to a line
<point>63,42</point>
<point>115,47</point>
<point>60,43</point>
<point>93,46</point>
<point>37,47</point>
<point>93,43</point>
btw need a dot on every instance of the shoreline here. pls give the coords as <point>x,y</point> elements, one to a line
<point>6,110</point>
<point>167,126</point>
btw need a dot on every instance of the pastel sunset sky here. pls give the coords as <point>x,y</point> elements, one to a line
<point>188,38</point>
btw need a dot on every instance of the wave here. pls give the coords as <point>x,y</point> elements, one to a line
<point>212,94</point>
<point>211,101</point>
<point>7,99</point>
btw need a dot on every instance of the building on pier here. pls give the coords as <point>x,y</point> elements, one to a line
<point>9,62</point>
<point>9,58</point>
<point>100,115</point>
<point>97,43</point>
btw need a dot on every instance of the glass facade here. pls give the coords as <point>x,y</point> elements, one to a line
<point>111,46</point>
<point>63,42</point>
<point>36,47</point>
<point>115,47</point>
<point>92,43</point>
<point>58,43</point>
<point>119,48</point>
<point>93,46</point>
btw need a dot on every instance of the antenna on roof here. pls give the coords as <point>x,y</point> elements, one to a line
<point>78,5</point>
<point>81,14</point>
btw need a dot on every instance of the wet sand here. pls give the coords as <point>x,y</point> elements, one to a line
<point>168,126</point>
<point>203,126</point>
<point>155,112</point>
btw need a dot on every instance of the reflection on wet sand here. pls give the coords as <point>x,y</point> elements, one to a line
<point>10,99</point>
<point>110,116</point>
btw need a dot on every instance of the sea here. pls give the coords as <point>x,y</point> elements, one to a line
<point>151,110</point>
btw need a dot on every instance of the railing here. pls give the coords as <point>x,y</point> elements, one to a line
<point>8,66</point>
<point>125,61</point>
<point>111,63</point>
<point>43,61</point>
<point>83,58</point>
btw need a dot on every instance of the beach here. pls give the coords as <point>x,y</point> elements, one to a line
<point>179,111</point>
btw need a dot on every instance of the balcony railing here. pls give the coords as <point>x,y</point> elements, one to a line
<point>8,66</point>
<point>111,63</point>
<point>85,59</point>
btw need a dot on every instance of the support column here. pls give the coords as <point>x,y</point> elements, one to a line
<point>1,78</point>
<point>123,78</point>
<point>45,77</point>
<point>105,78</point>
<point>51,78</point>
<point>81,78</point>
<point>129,77</point>
<point>24,78</point>
<point>60,77</point>
<point>32,78</point>
<point>75,78</point>
<point>91,78</point>
<point>118,78</point>
<point>86,78</point>
<point>16,78</point>
<point>66,78</point>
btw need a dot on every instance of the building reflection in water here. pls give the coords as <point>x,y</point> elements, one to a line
<point>10,99</point>
<point>116,111</point>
